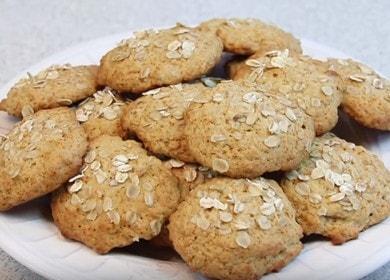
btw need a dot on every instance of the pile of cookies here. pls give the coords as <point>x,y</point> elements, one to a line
<point>146,146</point>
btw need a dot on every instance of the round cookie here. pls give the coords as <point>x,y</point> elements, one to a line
<point>189,177</point>
<point>56,86</point>
<point>236,228</point>
<point>157,119</point>
<point>121,196</point>
<point>248,36</point>
<point>300,79</point>
<point>340,190</point>
<point>366,94</point>
<point>39,154</point>
<point>158,58</point>
<point>240,130</point>
<point>101,114</point>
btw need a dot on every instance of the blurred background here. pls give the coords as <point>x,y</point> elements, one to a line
<point>33,30</point>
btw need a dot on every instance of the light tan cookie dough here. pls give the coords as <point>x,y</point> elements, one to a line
<point>236,228</point>
<point>56,86</point>
<point>241,131</point>
<point>39,154</point>
<point>121,196</point>
<point>189,177</point>
<point>341,190</point>
<point>300,79</point>
<point>157,119</point>
<point>248,36</point>
<point>158,58</point>
<point>101,114</point>
<point>366,95</point>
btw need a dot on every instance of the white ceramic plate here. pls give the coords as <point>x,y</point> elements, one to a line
<point>28,234</point>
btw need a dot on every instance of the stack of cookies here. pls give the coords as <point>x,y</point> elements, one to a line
<point>146,146</point>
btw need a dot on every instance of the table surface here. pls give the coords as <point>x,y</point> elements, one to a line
<point>33,30</point>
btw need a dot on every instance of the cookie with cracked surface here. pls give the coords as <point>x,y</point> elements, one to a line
<point>158,58</point>
<point>56,86</point>
<point>121,196</point>
<point>101,114</point>
<point>241,131</point>
<point>157,119</point>
<point>39,154</point>
<point>189,177</point>
<point>366,96</point>
<point>300,79</point>
<point>236,228</point>
<point>340,190</point>
<point>248,36</point>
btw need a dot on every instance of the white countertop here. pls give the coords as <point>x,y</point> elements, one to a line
<point>33,30</point>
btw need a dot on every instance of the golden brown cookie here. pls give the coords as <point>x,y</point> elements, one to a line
<point>157,119</point>
<point>340,190</point>
<point>56,86</point>
<point>101,114</point>
<point>236,228</point>
<point>248,36</point>
<point>366,94</point>
<point>121,196</point>
<point>39,154</point>
<point>300,79</point>
<point>240,130</point>
<point>158,58</point>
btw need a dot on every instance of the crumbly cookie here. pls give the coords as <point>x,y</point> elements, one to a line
<point>189,177</point>
<point>157,119</point>
<point>248,36</point>
<point>101,114</point>
<point>366,94</point>
<point>56,86</point>
<point>340,190</point>
<point>300,79</point>
<point>236,228</point>
<point>121,195</point>
<point>158,58</point>
<point>240,130</point>
<point>39,154</point>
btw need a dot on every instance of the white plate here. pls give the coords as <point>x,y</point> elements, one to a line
<point>28,234</point>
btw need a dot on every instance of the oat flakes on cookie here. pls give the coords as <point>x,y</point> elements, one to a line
<point>340,190</point>
<point>158,58</point>
<point>121,195</point>
<point>39,154</point>
<point>56,86</point>
<point>366,94</point>
<point>240,130</point>
<point>157,118</point>
<point>101,114</point>
<point>302,80</point>
<point>248,36</point>
<point>236,228</point>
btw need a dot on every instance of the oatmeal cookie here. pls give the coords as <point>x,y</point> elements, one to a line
<point>236,228</point>
<point>39,154</point>
<point>121,195</point>
<point>340,190</point>
<point>56,86</point>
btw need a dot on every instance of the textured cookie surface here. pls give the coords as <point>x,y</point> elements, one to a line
<point>248,36</point>
<point>236,228</point>
<point>39,154</point>
<point>157,119</point>
<point>340,190</point>
<point>366,95</point>
<point>121,196</point>
<point>101,114</point>
<point>53,87</point>
<point>300,79</point>
<point>158,58</point>
<point>240,130</point>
